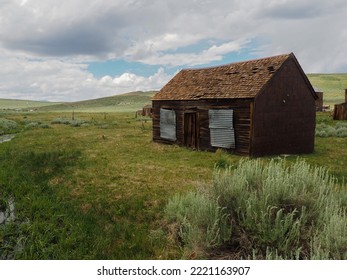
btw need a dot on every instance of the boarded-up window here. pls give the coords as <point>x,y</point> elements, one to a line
<point>221,128</point>
<point>168,124</point>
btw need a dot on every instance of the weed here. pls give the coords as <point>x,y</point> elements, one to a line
<point>286,211</point>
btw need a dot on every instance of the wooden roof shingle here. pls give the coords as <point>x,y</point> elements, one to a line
<point>236,80</point>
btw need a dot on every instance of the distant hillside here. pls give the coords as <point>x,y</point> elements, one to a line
<point>13,104</point>
<point>117,103</point>
<point>332,85</point>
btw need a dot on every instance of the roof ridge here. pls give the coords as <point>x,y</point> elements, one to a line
<point>239,62</point>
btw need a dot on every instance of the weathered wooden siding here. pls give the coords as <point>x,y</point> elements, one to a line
<point>147,111</point>
<point>340,111</point>
<point>284,115</point>
<point>319,102</point>
<point>242,121</point>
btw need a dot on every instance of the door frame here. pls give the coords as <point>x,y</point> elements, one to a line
<point>191,128</point>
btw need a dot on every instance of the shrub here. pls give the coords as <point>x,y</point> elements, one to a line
<point>201,222</point>
<point>77,123</point>
<point>74,123</point>
<point>341,125</point>
<point>44,125</point>
<point>341,132</point>
<point>324,130</point>
<point>60,121</point>
<point>32,125</point>
<point>6,124</point>
<point>277,212</point>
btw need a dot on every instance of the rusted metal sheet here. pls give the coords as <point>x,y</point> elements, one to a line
<point>221,128</point>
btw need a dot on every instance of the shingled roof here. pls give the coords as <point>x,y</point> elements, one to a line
<point>236,80</point>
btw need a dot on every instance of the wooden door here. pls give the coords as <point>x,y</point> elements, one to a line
<point>191,130</point>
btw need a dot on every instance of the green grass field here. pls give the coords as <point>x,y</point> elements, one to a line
<point>129,102</point>
<point>96,187</point>
<point>104,185</point>
<point>13,104</point>
<point>332,85</point>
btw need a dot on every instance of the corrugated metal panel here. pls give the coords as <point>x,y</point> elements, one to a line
<point>221,118</point>
<point>221,128</point>
<point>168,124</point>
<point>223,138</point>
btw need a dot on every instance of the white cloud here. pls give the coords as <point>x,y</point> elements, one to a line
<point>57,80</point>
<point>45,45</point>
<point>213,53</point>
<point>132,82</point>
<point>317,37</point>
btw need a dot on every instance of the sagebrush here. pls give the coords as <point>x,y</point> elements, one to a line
<point>7,125</point>
<point>265,211</point>
<point>324,130</point>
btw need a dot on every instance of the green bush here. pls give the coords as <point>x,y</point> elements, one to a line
<point>275,211</point>
<point>201,222</point>
<point>74,123</point>
<point>324,130</point>
<point>32,125</point>
<point>7,125</point>
<point>60,121</point>
<point>44,125</point>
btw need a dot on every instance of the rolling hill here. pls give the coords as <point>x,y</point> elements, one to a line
<point>333,86</point>
<point>13,104</point>
<point>127,102</point>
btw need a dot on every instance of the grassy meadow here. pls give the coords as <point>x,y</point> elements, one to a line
<point>93,185</point>
<point>128,102</point>
<point>332,85</point>
<point>94,191</point>
<point>14,104</point>
<point>98,189</point>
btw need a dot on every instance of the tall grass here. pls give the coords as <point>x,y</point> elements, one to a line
<point>271,210</point>
<point>42,228</point>
<point>200,220</point>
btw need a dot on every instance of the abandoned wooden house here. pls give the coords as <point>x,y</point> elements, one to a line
<point>340,110</point>
<point>258,107</point>
<point>319,100</point>
<point>147,110</point>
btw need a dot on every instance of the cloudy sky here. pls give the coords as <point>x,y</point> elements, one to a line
<point>69,50</point>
